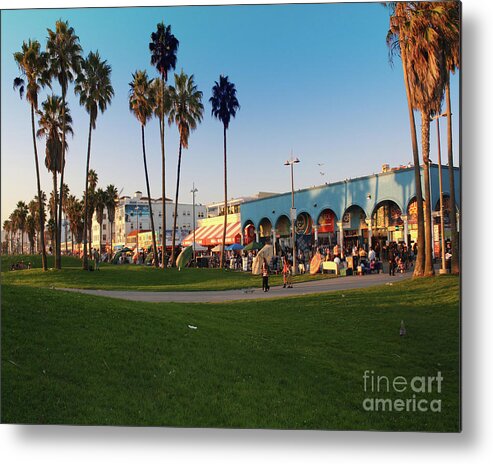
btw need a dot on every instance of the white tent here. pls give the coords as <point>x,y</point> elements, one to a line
<point>199,247</point>
<point>266,252</point>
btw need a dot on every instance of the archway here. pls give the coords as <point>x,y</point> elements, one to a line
<point>354,228</point>
<point>283,232</point>
<point>265,231</point>
<point>447,211</point>
<point>304,233</point>
<point>326,228</point>
<point>387,226</point>
<point>248,232</point>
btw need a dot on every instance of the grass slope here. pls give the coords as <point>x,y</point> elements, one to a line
<point>293,363</point>
<point>131,277</point>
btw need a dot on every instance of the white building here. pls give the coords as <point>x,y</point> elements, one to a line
<point>132,214</point>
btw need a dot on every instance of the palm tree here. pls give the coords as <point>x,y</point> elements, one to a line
<point>163,47</point>
<point>398,42</point>
<point>451,49</point>
<point>64,52</point>
<point>100,205</point>
<point>186,112</point>
<point>43,219</point>
<point>141,103</point>
<point>7,227</point>
<point>31,232</point>
<point>75,216</point>
<point>111,202</point>
<point>66,192</point>
<point>32,64</point>
<point>53,117</point>
<point>14,227</point>
<point>93,182</point>
<point>95,92</point>
<point>21,212</point>
<point>224,107</point>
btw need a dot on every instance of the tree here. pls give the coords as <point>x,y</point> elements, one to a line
<point>65,55</point>
<point>21,212</point>
<point>43,221</point>
<point>141,103</point>
<point>93,182</point>
<point>33,65</point>
<point>164,48</point>
<point>54,116</point>
<point>14,227</point>
<point>7,227</point>
<point>93,85</point>
<point>31,232</point>
<point>100,205</point>
<point>66,192</point>
<point>398,42</point>
<point>186,112</point>
<point>224,107</point>
<point>75,212</point>
<point>111,202</point>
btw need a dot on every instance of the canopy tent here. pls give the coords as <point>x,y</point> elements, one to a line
<point>213,235</point>
<point>217,249</point>
<point>234,247</point>
<point>198,247</point>
<point>266,252</point>
<point>253,246</point>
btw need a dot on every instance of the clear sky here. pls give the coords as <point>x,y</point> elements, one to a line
<point>314,79</point>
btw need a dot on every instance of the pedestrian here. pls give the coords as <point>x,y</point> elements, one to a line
<point>391,258</point>
<point>286,273</point>
<point>265,276</point>
<point>96,259</point>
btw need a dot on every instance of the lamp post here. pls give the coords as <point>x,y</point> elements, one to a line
<point>443,269</point>
<point>291,162</point>
<point>193,191</point>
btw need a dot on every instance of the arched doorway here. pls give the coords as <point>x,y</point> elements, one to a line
<point>354,228</point>
<point>248,232</point>
<point>326,229</point>
<point>387,226</point>
<point>265,231</point>
<point>304,233</point>
<point>447,211</point>
<point>412,221</point>
<point>283,232</point>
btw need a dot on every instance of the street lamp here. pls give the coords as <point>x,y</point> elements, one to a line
<point>443,269</point>
<point>193,192</point>
<point>291,162</point>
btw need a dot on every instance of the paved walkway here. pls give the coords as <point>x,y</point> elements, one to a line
<point>304,288</point>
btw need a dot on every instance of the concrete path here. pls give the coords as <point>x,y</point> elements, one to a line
<point>304,288</point>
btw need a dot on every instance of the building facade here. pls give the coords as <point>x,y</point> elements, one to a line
<point>366,211</point>
<point>132,214</point>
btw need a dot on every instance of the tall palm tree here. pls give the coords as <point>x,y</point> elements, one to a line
<point>75,216</point>
<point>14,227</point>
<point>141,103</point>
<point>93,182</point>
<point>111,202</point>
<point>43,219</point>
<point>65,55</point>
<point>186,112</point>
<point>164,48</point>
<point>224,107</point>
<point>22,213</point>
<point>54,116</point>
<point>398,42</point>
<point>93,85</point>
<point>100,205</point>
<point>31,232</point>
<point>66,192</point>
<point>450,32</point>
<point>32,63</point>
<point>7,227</point>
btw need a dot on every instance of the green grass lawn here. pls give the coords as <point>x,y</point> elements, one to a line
<point>132,277</point>
<point>293,363</point>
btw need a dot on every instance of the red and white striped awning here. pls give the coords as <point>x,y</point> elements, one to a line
<point>212,235</point>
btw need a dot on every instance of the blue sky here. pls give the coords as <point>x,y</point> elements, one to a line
<point>314,79</point>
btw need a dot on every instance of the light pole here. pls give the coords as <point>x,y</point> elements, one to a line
<point>291,162</point>
<point>193,191</point>
<point>443,269</point>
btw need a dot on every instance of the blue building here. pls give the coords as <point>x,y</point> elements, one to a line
<point>366,211</point>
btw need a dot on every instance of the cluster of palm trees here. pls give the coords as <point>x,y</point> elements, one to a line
<point>62,62</point>
<point>24,219</point>
<point>179,104</point>
<point>426,35</point>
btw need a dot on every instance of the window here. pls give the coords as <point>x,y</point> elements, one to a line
<point>104,217</point>
<point>104,226</point>
<point>188,213</point>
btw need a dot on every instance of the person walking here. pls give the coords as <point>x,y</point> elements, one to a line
<point>265,276</point>
<point>286,273</point>
<point>96,259</point>
<point>391,262</point>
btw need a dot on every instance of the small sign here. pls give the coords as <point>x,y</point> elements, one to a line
<point>293,214</point>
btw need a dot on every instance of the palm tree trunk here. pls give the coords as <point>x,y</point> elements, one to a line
<point>420,259</point>
<point>66,244</point>
<point>149,200</point>
<point>450,156</point>
<point>40,200</point>
<point>55,238</point>
<point>101,237</point>
<point>111,239</point>
<point>85,263</point>
<point>22,241</point>
<point>72,244</point>
<point>425,146</point>
<point>176,208</point>
<point>163,181</point>
<point>225,201</point>
<point>58,257</point>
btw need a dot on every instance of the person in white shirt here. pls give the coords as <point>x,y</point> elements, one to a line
<point>371,255</point>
